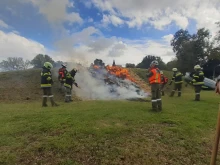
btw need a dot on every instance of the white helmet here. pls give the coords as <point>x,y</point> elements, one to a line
<point>174,69</point>
<point>64,65</point>
<point>154,63</point>
<point>197,67</point>
<point>161,72</point>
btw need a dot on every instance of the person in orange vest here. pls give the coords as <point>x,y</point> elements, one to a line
<point>154,77</point>
<point>164,81</point>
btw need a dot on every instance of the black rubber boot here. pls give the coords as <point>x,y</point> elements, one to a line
<point>179,93</point>
<point>159,105</point>
<point>172,93</point>
<point>53,104</point>
<point>44,103</point>
<point>154,106</point>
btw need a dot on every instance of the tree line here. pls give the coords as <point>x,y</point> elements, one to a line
<point>190,49</point>
<point>18,63</point>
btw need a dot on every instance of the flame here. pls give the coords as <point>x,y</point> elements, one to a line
<point>119,72</point>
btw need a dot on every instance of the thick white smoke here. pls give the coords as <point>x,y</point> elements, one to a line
<point>96,89</point>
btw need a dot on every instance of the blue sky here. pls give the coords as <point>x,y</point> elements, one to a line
<point>79,30</point>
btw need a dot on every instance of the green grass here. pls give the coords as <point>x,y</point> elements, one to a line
<point>110,132</point>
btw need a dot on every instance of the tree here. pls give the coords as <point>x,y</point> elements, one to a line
<point>40,59</point>
<point>147,61</point>
<point>191,49</point>
<point>99,62</point>
<point>217,37</point>
<point>172,64</point>
<point>14,63</point>
<point>58,64</point>
<point>129,65</point>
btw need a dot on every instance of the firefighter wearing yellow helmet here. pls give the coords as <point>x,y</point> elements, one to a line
<point>46,84</point>
<point>198,81</point>
<point>178,80</point>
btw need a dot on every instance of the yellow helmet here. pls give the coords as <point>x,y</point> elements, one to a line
<point>197,67</point>
<point>48,65</point>
<point>174,69</point>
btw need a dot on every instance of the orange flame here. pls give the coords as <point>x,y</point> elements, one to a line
<point>120,72</point>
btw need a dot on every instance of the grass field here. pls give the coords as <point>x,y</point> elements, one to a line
<point>110,132</point>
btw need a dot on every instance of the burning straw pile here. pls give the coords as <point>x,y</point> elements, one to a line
<point>108,82</point>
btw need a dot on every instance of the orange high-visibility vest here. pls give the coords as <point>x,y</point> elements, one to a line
<point>156,78</point>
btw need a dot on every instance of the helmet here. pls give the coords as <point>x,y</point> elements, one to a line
<point>64,65</point>
<point>74,69</point>
<point>154,63</point>
<point>48,65</point>
<point>174,69</point>
<point>161,72</point>
<point>197,67</point>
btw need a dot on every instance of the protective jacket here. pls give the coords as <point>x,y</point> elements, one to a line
<point>198,78</point>
<point>177,78</point>
<point>164,79</point>
<point>46,78</point>
<point>62,74</point>
<point>69,81</point>
<point>154,76</point>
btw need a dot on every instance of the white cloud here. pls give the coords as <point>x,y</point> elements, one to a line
<point>168,38</point>
<point>14,45</point>
<point>116,21</point>
<point>118,49</point>
<point>162,13</point>
<point>3,25</point>
<point>91,44</point>
<point>55,11</point>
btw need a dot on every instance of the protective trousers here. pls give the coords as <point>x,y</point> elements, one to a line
<point>198,89</point>
<point>156,97</point>
<point>68,94</point>
<point>47,92</point>
<point>162,89</point>
<point>178,87</point>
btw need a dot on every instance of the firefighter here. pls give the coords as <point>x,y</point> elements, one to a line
<point>198,81</point>
<point>69,81</point>
<point>178,81</point>
<point>155,80</point>
<point>164,81</point>
<point>46,84</point>
<point>61,76</point>
<point>73,72</point>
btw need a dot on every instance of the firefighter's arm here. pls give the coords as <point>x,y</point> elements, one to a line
<point>149,74</point>
<point>74,82</point>
<point>172,80</point>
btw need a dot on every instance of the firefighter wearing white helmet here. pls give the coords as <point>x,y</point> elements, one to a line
<point>61,76</point>
<point>198,81</point>
<point>154,77</point>
<point>46,84</point>
<point>178,80</point>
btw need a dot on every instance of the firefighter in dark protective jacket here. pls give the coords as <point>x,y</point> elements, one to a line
<point>178,81</point>
<point>69,81</point>
<point>198,81</point>
<point>46,84</point>
<point>155,80</point>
